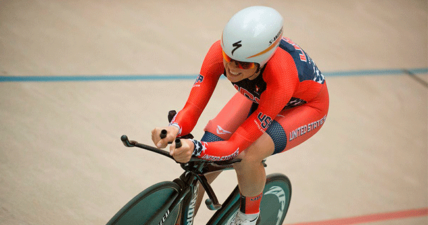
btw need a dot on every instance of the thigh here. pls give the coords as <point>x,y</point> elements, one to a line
<point>262,148</point>
<point>296,125</point>
<point>229,118</point>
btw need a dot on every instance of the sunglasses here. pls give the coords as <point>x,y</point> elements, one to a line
<point>241,65</point>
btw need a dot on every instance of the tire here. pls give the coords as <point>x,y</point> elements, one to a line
<point>274,205</point>
<point>154,201</point>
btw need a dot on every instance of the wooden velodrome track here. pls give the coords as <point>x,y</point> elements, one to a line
<point>76,75</point>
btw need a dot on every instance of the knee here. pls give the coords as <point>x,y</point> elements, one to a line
<point>248,159</point>
<point>252,159</point>
<point>256,153</point>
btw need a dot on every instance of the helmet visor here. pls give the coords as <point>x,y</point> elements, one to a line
<point>241,65</point>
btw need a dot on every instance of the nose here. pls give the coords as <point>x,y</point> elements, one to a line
<point>233,64</point>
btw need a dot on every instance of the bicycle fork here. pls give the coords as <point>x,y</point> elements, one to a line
<point>188,213</point>
<point>176,199</point>
<point>188,196</point>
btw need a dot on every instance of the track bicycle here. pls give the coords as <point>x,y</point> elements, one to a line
<point>173,202</point>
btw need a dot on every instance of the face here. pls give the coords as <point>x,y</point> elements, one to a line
<point>237,71</point>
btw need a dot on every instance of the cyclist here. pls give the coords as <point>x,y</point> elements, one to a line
<point>282,101</point>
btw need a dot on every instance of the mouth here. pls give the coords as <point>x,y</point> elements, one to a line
<point>233,73</point>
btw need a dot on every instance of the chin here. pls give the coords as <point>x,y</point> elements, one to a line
<point>232,78</point>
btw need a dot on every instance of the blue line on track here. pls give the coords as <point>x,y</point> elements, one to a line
<point>186,77</point>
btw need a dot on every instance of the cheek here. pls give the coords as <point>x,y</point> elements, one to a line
<point>249,72</point>
<point>225,62</point>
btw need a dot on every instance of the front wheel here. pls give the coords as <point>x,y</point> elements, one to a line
<point>150,205</point>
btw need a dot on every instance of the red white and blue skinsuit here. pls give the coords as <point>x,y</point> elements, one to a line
<point>288,100</point>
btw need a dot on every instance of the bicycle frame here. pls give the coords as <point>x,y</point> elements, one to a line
<point>169,203</point>
<point>188,182</point>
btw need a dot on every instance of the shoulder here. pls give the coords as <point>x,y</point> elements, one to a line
<point>281,65</point>
<point>215,48</point>
<point>217,44</point>
<point>213,61</point>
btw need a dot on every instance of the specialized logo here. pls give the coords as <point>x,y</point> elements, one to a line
<point>279,192</point>
<point>236,45</point>
<point>191,211</point>
<point>272,44</point>
<point>276,37</point>
<point>164,218</point>
<point>220,130</point>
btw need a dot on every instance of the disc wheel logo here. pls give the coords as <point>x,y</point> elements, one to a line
<point>278,192</point>
<point>236,45</point>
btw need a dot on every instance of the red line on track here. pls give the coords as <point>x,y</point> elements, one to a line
<point>371,218</point>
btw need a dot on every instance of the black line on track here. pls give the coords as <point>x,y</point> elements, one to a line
<point>416,78</point>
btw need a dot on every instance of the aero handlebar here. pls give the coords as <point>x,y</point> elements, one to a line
<point>131,143</point>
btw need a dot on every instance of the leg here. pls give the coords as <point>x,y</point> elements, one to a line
<point>251,178</point>
<point>222,127</point>
<point>233,114</point>
<point>296,125</point>
<point>250,171</point>
<point>290,128</point>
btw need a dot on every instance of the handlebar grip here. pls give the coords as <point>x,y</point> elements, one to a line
<point>178,143</point>
<point>163,134</point>
<point>126,141</point>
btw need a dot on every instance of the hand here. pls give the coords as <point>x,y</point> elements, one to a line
<point>184,153</point>
<point>171,135</point>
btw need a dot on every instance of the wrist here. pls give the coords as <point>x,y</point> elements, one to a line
<point>198,147</point>
<point>176,128</point>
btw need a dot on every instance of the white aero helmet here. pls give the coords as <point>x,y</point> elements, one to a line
<point>252,34</point>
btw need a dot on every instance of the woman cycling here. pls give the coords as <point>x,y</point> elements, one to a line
<point>282,101</point>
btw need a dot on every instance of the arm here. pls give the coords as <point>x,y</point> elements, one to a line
<point>282,80</point>
<point>211,70</point>
<point>186,119</point>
